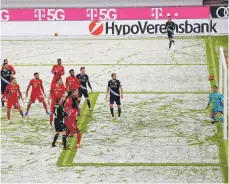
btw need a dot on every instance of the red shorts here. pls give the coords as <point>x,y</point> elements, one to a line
<point>14,103</point>
<point>39,97</point>
<point>71,125</point>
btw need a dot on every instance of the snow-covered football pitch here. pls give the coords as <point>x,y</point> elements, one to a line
<point>164,134</point>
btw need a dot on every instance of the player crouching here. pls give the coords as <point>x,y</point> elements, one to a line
<point>59,115</point>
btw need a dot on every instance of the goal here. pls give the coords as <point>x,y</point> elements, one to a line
<point>223,87</point>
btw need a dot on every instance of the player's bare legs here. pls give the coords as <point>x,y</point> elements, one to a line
<point>19,110</point>
<point>78,137</point>
<point>45,106</point>
<point>28,107</point>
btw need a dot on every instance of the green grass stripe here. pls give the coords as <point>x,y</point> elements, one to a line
<point>144,164</point>
<point>160,92</point>
<point>114,64</point>
<point>67,156</point>
<point>212,44</point>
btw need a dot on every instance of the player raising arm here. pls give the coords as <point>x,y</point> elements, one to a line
<point>84,80</point>
<point>114,86</point>
<point>37,90</point>
<point>57,70</point>
<point>170,26</point>
<point>5,79</point>
<point>12,91</point>
<point>217,111</point>
<point>57,91</point>
<point>72,82</point>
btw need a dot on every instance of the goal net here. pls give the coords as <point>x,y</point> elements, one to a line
<point>223,87</point>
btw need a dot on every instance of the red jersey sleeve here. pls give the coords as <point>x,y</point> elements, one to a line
<point>54,69</point>
<point>19,91</point>
<point>62,70</point>
<point>12,69</point>
<point>77,83</point>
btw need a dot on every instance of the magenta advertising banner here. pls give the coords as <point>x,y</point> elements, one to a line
<point>84,14</point>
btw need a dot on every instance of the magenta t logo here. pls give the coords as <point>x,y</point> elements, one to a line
<point>156,12</point>
<point>39,13</point>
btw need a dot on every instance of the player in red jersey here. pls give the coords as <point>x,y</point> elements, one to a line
<point>36,94</point>
<point>57,91</point>
<point>12,91</point>
<point>57,70</point>
<point>72,82</point>
<point>71,121</point>
<point>11,68</point>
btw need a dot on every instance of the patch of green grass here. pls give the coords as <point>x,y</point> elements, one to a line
<point>67,156</point>
<point>212,49</point>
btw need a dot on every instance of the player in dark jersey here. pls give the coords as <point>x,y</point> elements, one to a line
<point>84,80</point>
<point>5,79</point>
<point>114,86</point>
<point>170,26</point>
<point>59,115</point>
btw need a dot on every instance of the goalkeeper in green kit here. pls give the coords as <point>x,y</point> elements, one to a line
<point>170,26</point>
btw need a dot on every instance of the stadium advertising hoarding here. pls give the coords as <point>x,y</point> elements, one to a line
<point>109,22</point>
<point>219,12</point>
<point>102,14</point>
<point>115,28</point>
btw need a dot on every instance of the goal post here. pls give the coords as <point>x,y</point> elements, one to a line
<point>223,89</point>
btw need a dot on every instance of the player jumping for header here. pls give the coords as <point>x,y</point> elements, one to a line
<point>36,94</point>
<point>84,80</point>
<point>217,111</point>
<point>114,86</point>
<point>170,26</point>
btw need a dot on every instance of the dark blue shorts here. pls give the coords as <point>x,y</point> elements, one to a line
<point>115,99</point>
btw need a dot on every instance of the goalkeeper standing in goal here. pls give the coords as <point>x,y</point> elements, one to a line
<point>217,111</point>
<point>170,26</point>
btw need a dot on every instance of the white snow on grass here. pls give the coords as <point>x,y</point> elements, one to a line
<point>88,175</point>
<point>153,129</point>
<point>133,78</point>
<point>145,51</point>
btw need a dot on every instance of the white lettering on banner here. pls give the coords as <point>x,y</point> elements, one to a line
<point>49,14</point>
<point>102,14</point>
<point>225,12</point>
<point>5,15</point>
<point>156,12</point>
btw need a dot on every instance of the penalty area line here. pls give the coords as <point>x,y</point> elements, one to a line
<point>145,164</point>
<point>65,155</point>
